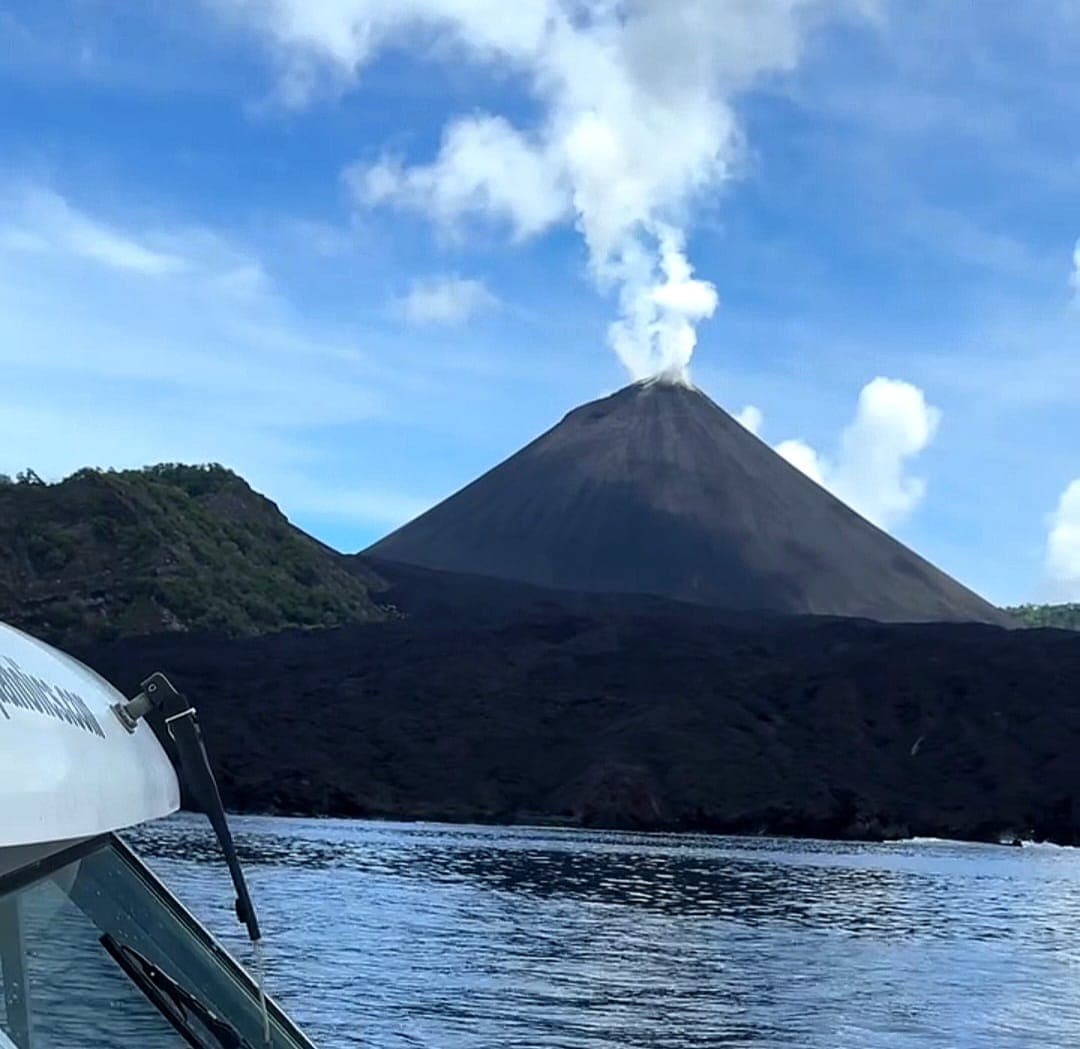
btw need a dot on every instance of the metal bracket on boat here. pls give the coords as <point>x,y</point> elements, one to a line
<point>132,710</point>
<point>182,724</point>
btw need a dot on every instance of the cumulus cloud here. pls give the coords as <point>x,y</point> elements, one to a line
<point>893,423</point>
<point>445,300</point>
<point>1063,547</point>
<point>636,123</point>
<point>752,418</point>
<point>802,457</point>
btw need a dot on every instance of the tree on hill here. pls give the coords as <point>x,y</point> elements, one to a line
<point>106,553</point>
<point>1063,617</point>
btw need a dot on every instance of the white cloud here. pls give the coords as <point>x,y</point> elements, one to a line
<point>445,300</point>
<point>324,45</point>
<point>752,418</point>
<point>1074,277</point>
<point>636,123</point>
<point>484,168</point>
<point>43,221</point>
<point>40,223</point>
<point>1063,547</point>
<point>892,424</point>
<point>802,457</point>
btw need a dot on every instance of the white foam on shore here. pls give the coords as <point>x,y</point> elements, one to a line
<point>918,840</point>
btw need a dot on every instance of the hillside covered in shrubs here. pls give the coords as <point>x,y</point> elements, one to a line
<point>1062,617</point>
<point>105,554</point>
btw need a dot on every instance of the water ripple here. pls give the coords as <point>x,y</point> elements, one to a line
<point>395,935</point>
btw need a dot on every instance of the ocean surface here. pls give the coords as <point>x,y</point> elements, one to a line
<point>407,935</point>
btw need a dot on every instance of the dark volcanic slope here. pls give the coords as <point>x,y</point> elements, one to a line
<point>656,490</point>
<point>665,718</point>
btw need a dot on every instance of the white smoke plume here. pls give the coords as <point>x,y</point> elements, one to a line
<point>636,124</point>
<point>892,424</point>
<point>1063,547</point>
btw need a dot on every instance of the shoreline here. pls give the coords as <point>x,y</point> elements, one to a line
<point>714,831</point>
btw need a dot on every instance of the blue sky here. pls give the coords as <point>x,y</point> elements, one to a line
<point>196,264</point>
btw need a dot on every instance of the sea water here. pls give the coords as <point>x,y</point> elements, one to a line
<point>462,937</point>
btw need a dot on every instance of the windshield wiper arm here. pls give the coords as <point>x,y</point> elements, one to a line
<point>174,1001</point>
<point>182,724</point>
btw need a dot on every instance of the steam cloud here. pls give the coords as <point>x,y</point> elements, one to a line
<point>892,424</point>
<point>637,123</point>
<point>1063,547</point>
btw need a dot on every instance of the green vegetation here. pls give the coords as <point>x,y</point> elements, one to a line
<point>1064,617</point>
<point>170,547</point>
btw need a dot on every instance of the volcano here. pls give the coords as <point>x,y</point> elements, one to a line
<point>656,490</point>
